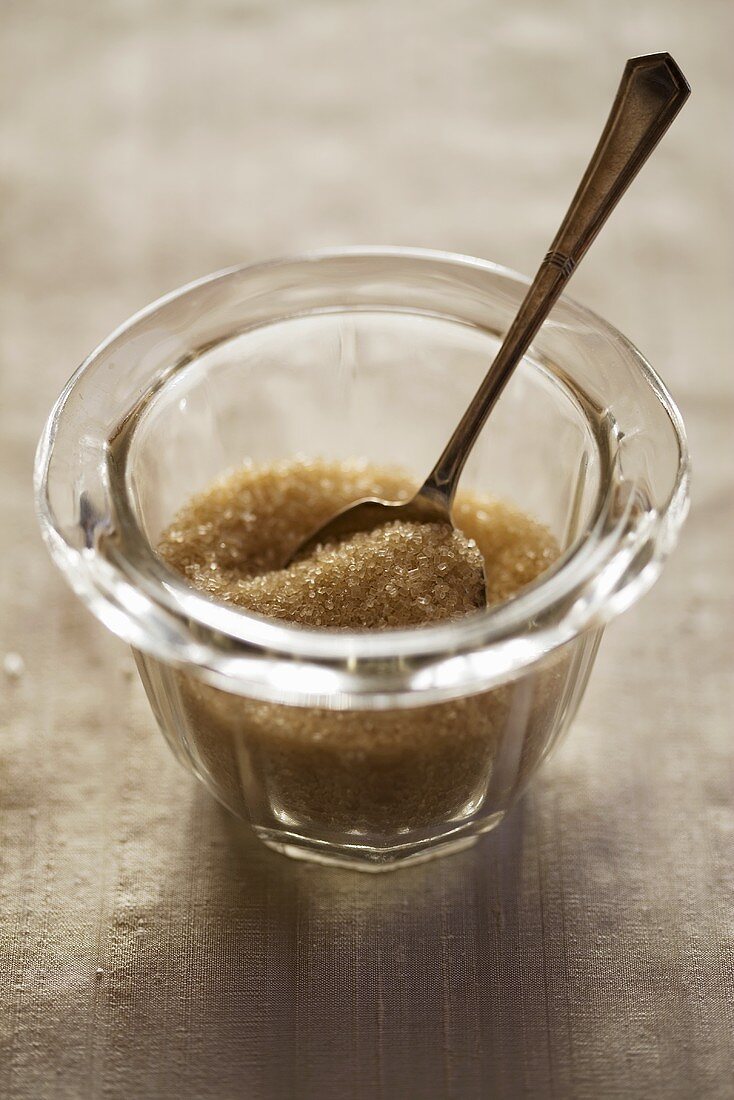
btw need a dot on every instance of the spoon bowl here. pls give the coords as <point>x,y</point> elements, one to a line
<point>370,512</point>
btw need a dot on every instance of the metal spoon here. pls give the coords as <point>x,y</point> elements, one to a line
<point>652,91</point>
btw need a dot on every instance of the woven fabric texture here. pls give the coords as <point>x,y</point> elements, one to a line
<point>148,946</point>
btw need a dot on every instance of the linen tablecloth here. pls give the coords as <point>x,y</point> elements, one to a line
<point>148,946</point>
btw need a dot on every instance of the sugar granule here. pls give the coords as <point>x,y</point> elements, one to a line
<point>231,541</point>
<point>361,771</point>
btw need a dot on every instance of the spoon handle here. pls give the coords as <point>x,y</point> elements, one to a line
<point>652,91</point>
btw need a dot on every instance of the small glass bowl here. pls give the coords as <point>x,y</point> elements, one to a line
<point>365,749</point>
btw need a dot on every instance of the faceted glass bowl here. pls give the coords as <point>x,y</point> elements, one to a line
<point>368,749</point>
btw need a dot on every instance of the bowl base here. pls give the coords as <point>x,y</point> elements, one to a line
<point>373,860</point>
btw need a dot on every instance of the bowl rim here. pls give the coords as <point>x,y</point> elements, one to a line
<point>268,659</point>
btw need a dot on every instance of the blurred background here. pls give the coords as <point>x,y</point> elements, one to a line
<point>144,143</point>
<point>147,142</point>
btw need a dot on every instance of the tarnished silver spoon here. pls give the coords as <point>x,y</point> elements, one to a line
<point>652,91</point>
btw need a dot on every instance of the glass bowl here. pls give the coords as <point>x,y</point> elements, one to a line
<point>365,749</point>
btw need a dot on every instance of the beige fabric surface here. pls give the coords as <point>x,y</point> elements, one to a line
<point>148,946</point>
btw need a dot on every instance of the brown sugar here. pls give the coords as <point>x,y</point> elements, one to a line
<point>232,540</point>
<point>368,773</point>
<point>401,574</point>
